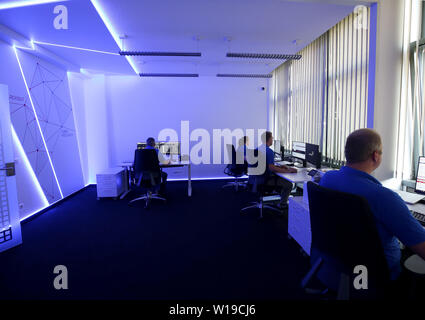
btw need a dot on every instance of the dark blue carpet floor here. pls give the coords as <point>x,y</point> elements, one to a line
<point>189,248</point>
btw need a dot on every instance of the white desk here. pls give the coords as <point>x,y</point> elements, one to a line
<point>417,207</point>
<point>184,163</point>
<point>300,177</point>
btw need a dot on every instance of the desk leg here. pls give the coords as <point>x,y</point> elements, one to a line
<point>189,181</point>
<point>127,178</point>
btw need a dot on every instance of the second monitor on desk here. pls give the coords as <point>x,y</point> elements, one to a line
<point>307,152</point>
<point>171,148</point>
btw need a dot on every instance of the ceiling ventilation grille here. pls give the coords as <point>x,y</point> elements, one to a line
<point>264,56</point>
<point>230,75</point>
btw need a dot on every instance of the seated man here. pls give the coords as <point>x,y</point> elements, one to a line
<point>363,152</point>
<point>150,144</point>
<point>270,179</point>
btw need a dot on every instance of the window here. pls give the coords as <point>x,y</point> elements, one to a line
<point>322,97</point>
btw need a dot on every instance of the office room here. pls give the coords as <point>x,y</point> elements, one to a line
<point>250,152</point>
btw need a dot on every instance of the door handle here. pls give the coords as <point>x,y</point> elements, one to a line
<point>10,169</point>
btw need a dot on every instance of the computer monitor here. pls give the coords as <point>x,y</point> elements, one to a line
<point>141,145</point>
<point>276,146</point>
<point>312,155</point>
<point>298,150</point>
<point>420,176</point>
<point>170,148</point>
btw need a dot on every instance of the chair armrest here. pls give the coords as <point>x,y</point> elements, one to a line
<point>415,264</point>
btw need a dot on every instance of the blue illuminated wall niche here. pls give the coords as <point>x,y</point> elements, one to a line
<point>43,120</point>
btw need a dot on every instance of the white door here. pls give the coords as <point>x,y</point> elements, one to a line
<point>10,226</point>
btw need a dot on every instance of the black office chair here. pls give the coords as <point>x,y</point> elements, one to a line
<point>234,169</point>
<point>344,236</point>
<point>146,175</point>
<point>256,186</point>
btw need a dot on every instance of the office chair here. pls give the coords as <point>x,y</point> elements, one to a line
<point>255,185</point>
<point>344,236</point>
<point>146,175</point>
<point>234,169</point>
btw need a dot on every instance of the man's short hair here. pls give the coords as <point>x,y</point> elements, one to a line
<point>266,136</point>
<point>361,144</point>
<point>150,142</point>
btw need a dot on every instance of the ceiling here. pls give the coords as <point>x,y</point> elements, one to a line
<point>212,27</point>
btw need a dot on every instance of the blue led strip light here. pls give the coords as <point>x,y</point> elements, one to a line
<point>112,31</point>
<point>25,3</point>
<point>75,48</point>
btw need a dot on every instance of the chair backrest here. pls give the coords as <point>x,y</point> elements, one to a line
<point>234,167</point>
<point>146,164</point>
<point>255,180</point>
<point>231,153</point>
<point>344,233</point>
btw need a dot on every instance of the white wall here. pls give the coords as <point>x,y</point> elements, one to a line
<point>77,91</point>
<point>124,110</point>
<point>97,127</point>
<point>388,80</point>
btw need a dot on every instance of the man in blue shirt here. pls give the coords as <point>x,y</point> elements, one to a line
<point>150,144</point>
<point>363,152</point>
<point>270,179</point>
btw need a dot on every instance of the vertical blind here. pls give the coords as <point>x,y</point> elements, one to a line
<point>413,144</point>
<point>280,96</point>
<point>321,98</point>
<point>348,61</point>
<point>410,141</point>
<point>307,85</point>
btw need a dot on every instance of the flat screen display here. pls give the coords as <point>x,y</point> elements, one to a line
<point>420,177</point>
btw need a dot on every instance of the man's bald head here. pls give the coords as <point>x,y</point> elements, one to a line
<point>361,145</point>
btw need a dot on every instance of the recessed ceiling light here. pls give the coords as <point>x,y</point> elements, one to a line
<point>172,75</point>
<point>160,54</point>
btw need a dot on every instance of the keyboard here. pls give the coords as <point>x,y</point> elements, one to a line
<point>419,216</point>
<point>409,197</point>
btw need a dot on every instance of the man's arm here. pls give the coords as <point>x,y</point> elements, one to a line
<point>400,222</point>
<point>281,169</point>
